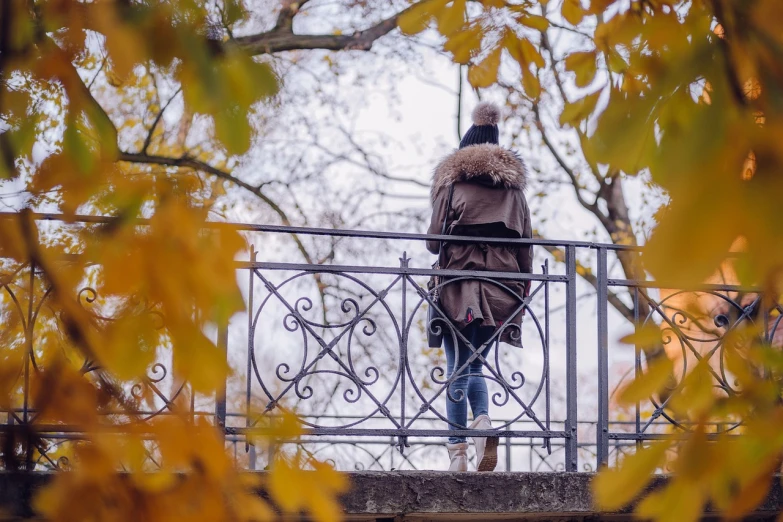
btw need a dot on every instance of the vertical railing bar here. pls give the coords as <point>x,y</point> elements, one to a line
<point>530,451</point>
<point>250,336</point>
<point>602,428</point>
<point>637,362</point>
<point>508,449</point>
<point>252,456</point>
<point>571,455</point>
<point>766,308</point>
<point>548,376</point>
<point>29,355</point>
<point>220,394</point>
<point>403,358</point>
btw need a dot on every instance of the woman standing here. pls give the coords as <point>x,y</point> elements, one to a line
<point>487,200</point>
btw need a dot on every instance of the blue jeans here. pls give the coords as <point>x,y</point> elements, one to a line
<point>470,383</point>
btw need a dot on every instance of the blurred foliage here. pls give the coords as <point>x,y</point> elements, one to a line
<point>689,91</point>
<point>159,285</point>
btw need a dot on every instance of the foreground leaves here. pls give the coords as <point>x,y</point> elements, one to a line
<point>688,92</point>
<point>89,311</point>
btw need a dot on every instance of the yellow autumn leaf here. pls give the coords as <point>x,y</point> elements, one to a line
<point>572,11</point>
<point>315,492</point>
<point>530,53</point>
<point>465,44</point>
<point>583,65</point>
<point>574,113</point>
<point>653,380</point>
<point>197,360</point>
<point>416,18</point>
<point>599,6</point>
<point>751,495</point>
<point>125,47</point>
<point>537,22</point>
<point>697,393</point>
<point>678,501</point>
<point>531,84</point>
<point>131,346</point>
<point>452,19</point>
<point>614,488</point>
<point>485,73</point>
<point>645,335</point>
<point>616,62</point>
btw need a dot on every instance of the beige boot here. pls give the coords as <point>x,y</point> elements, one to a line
<point>486,447</point>
<point>458,454</point>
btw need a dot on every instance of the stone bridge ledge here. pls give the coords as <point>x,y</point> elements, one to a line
<point>399,496</point>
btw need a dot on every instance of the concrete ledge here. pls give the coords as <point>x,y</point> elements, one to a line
<point>423,495</point>
<point>468,493</point>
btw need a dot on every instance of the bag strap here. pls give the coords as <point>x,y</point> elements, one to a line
<point>445,219</point>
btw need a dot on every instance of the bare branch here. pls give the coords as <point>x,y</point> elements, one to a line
<point>288,10</point>
<point>586,274</point>
<point>277,40</point>
<point>148,139</point>
<point>189,162</point>
<point>592,207</point>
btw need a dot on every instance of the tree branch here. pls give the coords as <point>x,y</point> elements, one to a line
<point>154,125</point>
<point>189,162</point>
<point>288,10</point>
<point>278,40</point>
<point>586,274</point>
<point>592,207</point>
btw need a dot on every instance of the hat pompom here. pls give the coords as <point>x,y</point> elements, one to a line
<point>486,113</point>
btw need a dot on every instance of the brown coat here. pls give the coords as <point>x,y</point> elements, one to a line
<point>488,200</point>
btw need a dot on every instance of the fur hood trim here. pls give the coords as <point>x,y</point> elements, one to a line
<point>487,164</point>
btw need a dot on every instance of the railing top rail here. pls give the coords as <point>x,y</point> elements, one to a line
<point>368,234</point>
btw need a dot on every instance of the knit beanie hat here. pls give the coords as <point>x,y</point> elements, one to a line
<point>485,126</point>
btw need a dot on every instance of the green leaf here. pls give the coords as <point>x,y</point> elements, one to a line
<point>233,130</point>
<point>76,149</point>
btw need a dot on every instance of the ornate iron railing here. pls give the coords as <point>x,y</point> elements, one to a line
<point>343,346</point>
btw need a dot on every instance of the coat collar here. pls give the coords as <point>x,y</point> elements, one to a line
<point>486,164</point>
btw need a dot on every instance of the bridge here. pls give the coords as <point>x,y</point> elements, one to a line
<point>341,343</point>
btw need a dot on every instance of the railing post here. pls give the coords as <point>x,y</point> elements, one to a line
<point>402,442</point>
<point>28,444</point>
<point>220,395</point>
<point>571,452</point>
<point>508,449</point>
<point>250,345</point>
<point>602,428</point>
